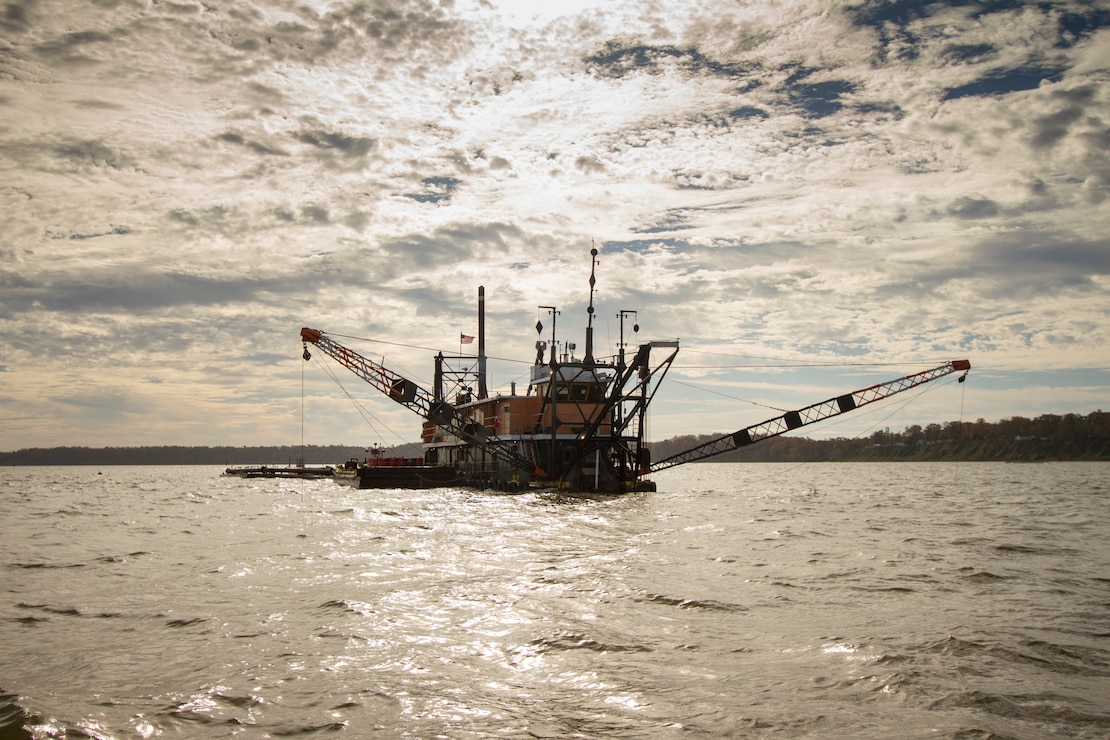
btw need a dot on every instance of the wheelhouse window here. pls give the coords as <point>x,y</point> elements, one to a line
<point>581,393</point>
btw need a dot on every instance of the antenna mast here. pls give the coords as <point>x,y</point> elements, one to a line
<point>589,358</point>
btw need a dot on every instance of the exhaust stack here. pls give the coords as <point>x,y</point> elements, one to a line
<point>483,391</point>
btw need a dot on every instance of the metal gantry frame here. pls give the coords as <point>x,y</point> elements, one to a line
<point>624,406</point>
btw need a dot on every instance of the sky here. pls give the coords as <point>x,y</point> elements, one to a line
<point>811,195</point>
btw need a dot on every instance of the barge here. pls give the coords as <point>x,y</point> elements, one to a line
<point>578,426</point>
<point>280,471</point>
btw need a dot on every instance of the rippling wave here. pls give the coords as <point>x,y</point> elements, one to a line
<point>872,601</point>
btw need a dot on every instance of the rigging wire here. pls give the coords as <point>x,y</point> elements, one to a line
<point>963,395</point>
<point>787,365</point>
<point>784,365</point>
<point>769,367</point>
<point>514,360</point>
<point>362,410</point>
<point>393,344</point>
<point>796,363</point>
<point>302,425</point>
<point>924,389</point>
<point>725,395</point>
<point>302,411</point>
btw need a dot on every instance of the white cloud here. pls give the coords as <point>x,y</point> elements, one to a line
<point>185,186</point>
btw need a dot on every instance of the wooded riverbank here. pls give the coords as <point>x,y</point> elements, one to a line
<point>1016,439</point>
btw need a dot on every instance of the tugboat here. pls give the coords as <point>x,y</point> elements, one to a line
<point>579,426</point>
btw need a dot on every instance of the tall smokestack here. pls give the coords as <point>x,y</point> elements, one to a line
<point>483,392</point>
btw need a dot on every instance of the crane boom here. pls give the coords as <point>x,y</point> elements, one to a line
<point>810,415</point>
<point>409,394</point>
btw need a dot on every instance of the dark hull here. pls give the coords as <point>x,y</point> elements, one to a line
<point>422,476</point>
<point>270,471</point>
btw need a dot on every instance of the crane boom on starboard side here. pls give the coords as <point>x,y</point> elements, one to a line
<point>809,415</point>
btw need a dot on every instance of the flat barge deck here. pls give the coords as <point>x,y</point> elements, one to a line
<point>280,471</point>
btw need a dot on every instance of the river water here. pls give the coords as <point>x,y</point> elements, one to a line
<point>817,600</point>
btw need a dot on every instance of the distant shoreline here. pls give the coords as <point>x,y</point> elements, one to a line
<point>181,455</point>
<point>1068,437</point>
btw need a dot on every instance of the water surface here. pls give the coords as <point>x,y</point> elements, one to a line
<point>862,600</point>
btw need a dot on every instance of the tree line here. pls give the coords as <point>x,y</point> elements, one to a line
<point>1046,437</point>
<point>180,455</point>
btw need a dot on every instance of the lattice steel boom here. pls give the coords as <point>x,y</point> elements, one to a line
<point>409,394</point>
<point>810,415</point>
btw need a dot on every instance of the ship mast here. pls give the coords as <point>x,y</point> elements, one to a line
<point>589,358</point>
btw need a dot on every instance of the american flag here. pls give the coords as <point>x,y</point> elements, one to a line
<point>465,339</point>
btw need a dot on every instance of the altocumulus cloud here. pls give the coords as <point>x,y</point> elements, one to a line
<point>186,184</point>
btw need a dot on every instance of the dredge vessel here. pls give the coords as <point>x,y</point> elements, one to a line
<point>579,425</point>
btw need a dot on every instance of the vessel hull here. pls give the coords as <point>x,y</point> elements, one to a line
<point>423,476</point>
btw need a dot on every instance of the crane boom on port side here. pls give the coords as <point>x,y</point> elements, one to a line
<point>409,394</point>
<point>810,415</point>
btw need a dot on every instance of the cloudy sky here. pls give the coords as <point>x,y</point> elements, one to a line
<point>813,195</point>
